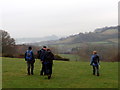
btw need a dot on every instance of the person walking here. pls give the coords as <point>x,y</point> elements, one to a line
<point>49,57</point>
<point>29,58</point>
<point>41,56</point>
<point>95,63</point>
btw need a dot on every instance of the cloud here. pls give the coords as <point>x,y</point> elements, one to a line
<point>37,18</point>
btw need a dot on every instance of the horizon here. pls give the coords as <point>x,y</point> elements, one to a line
<point>61,18</point>
<point>61,35</point>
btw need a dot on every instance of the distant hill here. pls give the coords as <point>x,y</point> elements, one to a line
<point>106,29</point>
<point>109,34</point>
<point>34,40</point>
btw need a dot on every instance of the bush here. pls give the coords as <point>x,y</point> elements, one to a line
<point>8,55</point>
<point>57,57</point>
<point>106,52</point>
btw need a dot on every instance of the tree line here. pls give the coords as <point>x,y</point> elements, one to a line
<point>8,48</point>
<point>106,52</point>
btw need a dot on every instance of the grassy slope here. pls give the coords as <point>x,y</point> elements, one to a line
<point>110,32</point>
<point>65,75</point>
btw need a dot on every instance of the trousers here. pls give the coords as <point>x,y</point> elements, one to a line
<point>30,67</point>
<point>96,69</point>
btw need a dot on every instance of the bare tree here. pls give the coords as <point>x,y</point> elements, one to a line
<point>7,43</point>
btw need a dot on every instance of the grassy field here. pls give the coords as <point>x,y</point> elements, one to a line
<point>73,57</point>
<point>65,75</point>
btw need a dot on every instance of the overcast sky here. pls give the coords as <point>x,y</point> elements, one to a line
<point>38,18</point>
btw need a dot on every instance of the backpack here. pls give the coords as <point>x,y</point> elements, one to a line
<point>41,54</point>
<point>49,56</point>
<point>29,56</point>
<point>96,59</point>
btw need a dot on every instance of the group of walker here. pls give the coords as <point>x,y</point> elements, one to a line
<point>46,57</point>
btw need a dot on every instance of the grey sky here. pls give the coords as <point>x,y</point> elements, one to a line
<point>38,18</point>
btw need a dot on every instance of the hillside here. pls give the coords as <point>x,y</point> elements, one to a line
<point>106,34</point>
<point>106,29</point>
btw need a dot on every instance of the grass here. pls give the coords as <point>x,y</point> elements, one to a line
<point>0,73</point>
<point>65,75</point>
<point>73,57</point>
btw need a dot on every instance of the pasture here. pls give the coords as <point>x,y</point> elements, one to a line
<point>66,74</point>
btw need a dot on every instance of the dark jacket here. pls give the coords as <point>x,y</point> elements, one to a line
<point>41,54</point>
<point>49,57</point>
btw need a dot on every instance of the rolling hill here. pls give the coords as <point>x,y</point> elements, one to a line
<point>106,34</point>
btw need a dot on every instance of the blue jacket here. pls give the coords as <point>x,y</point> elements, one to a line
<point>94,60</point>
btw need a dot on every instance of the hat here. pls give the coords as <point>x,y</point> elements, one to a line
<point>44,47</point>
<point>29,47</point>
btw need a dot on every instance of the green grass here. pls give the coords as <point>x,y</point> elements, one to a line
<point>0,73</point>
<point>73,57</point>
<point>65,75</point>
<point>102,42</point>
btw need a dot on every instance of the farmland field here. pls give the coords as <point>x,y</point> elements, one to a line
<point>66,74</point>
